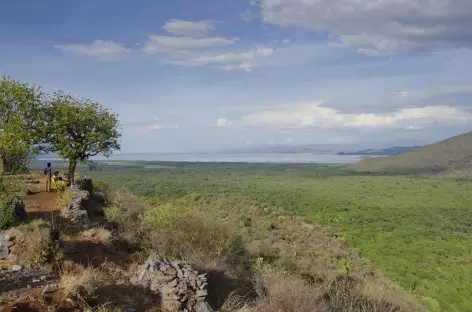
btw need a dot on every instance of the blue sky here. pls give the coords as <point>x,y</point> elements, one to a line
<point>218,74</point>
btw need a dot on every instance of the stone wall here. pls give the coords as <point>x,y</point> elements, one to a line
<point>181,288</point>
<point>76,210</point>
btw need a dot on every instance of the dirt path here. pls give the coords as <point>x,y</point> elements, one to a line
<point>41,205</point>
<point>79,246</point>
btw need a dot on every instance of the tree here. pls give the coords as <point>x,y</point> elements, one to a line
<point>80,128</point>
<point>21,120</point>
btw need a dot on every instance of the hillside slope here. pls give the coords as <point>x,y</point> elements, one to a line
<point>452,156</point>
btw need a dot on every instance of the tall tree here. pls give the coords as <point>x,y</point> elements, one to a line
<point>80,128</point>
<point>22,119</point>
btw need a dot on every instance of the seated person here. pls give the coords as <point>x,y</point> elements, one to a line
<point>61,184</point>
<point>54,178</point>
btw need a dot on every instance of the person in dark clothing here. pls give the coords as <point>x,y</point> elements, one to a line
<point>48,176</point>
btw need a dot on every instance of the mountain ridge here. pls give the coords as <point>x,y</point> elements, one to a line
<point>452,156</point>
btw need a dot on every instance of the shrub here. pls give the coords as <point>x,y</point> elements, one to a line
<point>179,230</point>
<point>7,204</point>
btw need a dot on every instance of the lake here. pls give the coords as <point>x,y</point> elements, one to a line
<point>241,157</point>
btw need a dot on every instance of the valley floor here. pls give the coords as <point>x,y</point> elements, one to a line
<point>417,231</point>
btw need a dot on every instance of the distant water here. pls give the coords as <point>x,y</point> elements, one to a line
<point>300,158</point>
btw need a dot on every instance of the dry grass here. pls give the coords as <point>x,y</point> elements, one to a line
<point>33,242</point>
<point>77,281</point>
<point>98,234</point>
<point>287,293</point>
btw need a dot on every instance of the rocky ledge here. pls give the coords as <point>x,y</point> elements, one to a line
<point>181,288</point>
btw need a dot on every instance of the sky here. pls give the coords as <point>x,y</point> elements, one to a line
<point>188,75</point>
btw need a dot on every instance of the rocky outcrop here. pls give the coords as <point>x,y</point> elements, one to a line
<point>181,288</point>
<point>76,210</point>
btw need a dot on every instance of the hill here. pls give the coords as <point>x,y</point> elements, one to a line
<point>452,156</point>
<point>396,150</point>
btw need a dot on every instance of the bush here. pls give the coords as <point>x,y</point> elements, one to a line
<point>7,205</point>
<point>16,161</point>
<point>180,230</point>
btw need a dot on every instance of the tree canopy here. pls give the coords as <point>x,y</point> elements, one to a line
<point>80,128</point>
<point>21,120</point>
<point>30,121</point>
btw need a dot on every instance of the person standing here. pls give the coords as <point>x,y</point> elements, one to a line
<point>48,176</point>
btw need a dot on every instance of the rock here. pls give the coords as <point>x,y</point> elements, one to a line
<point>130,309</point>
<point>171,272</point>
<point>16,268</point>
<point>202,306</point>
<point>164,290</point>
<point>43,278</point>
<point>179,286</point>
<point>162,279</point>
<point>172,283</point>
<point>141,275</point>
<point>201,293</point>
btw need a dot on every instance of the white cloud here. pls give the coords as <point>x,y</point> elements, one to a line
<point>248,15</point>
<point>157,44</point>
<point>223,122</point>
<point>189,28</point>
<point>162,126</point>
<point>104,50</point>
<point>379,27</point>
<point>315,115</point>
<point>227,61</point>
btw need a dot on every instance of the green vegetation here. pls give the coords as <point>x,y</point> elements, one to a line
<point>451,157</point>
<point>415,230</point>
<point>81,128</point>
<point>7,204</point>
<point>242,244</point>
<point>21,122</point>
<point>32,122</point>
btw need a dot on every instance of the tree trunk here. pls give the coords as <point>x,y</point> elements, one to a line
<point>71,172</point>
<point>3,164</point>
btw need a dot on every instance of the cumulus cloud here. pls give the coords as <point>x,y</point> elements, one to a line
<point>314,115</point>
<point>379,27</point>
<point>189,28</point>
<point>104,50</point>
<point>191,47</point>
